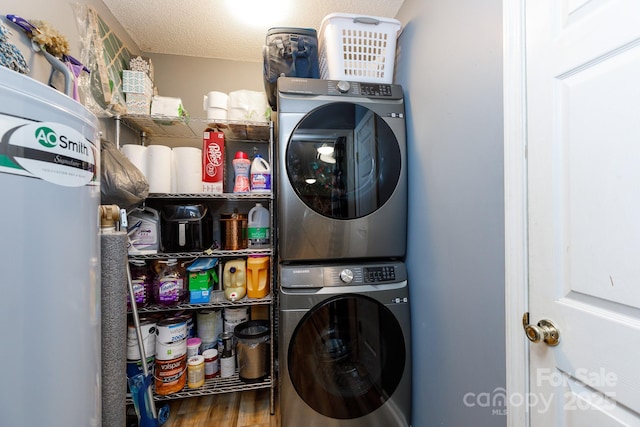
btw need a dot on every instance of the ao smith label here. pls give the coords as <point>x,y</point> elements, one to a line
<point>51,151</point>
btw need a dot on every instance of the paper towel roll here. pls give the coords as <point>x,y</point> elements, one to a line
<point>187,162</point>
<point>159,168</point>
<point>137,154</point>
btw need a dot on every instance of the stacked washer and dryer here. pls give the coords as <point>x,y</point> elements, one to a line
<point>344,318</point>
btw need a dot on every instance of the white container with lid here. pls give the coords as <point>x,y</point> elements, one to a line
<point>195,371</point>
<point>258,227</point>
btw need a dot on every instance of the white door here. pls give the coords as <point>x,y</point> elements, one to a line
<point>582,103</point>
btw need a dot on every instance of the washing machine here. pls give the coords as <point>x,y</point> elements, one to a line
<point>344,345</point>
<point>342,176</point>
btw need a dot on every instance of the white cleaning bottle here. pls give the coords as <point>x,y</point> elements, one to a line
<point>260,175</point>
<point>258,227</point>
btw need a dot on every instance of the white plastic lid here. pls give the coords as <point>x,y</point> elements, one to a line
<point>210,353</point>
<point>196,360</point>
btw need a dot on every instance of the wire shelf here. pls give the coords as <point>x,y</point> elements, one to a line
<point>187,127</point>
<point>153,308</point>
<point>211,386</point>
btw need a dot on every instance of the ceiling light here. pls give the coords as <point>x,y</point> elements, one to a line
<point>325,149</point>
<point>327,158</point>
<point>310,181</point>
<point>258,13</point>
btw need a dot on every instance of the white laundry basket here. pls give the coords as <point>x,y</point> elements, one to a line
<point>357,48</point>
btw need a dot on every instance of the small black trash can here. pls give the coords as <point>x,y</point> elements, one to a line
<point>252,349</point>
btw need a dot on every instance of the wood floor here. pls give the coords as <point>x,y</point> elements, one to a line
<point>246,409</point>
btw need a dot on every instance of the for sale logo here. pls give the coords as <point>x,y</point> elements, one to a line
<point>573,391</point>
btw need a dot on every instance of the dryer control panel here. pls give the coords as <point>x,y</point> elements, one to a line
<point>317,276</point>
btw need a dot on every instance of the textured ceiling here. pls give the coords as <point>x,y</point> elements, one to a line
<point>210,29</point>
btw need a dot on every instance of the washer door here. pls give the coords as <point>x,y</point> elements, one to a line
<point>343,160</point>
<point>346,356</point>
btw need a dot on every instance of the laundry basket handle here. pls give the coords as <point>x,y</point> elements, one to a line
<point>365,20</point>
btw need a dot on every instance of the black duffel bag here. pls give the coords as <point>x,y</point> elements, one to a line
<point>289,52</point>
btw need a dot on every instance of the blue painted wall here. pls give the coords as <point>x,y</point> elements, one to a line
<point>449,62</point>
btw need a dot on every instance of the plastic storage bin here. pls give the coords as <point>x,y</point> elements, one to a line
<point>358,48</point>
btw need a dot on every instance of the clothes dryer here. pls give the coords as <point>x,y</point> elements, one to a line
<point>344,345</point>
<point>342,178</point>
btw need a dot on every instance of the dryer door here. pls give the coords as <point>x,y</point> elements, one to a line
<point>343,161</point>
<point>346,357</point>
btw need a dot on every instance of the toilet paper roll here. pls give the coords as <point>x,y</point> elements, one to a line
<point>159,168</point>
<point>215,100</point>
<point>187,163</point>
<point>247,105</point>
<point>137,154</point>
<point>217,114</point>
<point>215,104</point>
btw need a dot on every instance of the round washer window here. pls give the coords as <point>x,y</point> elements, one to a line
<point>347,356</point>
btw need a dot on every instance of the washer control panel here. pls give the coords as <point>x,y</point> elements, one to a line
<point>316,276</point>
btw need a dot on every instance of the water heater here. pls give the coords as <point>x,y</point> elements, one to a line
<point>50,257</point>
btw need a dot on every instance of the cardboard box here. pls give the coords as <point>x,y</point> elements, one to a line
<point>138,103</point>
<point>202,274</point>
<point>200,297</point>
<point>136,82</point>
<point>166,106</point>
<point>200,280</point>
<point>213,162</point>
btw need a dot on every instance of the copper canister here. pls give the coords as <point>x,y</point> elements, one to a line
<point>233,231</point>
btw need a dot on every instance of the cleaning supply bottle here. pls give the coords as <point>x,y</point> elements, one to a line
<point>142,281</point>
<point>257,276</point>
<point>234,279</point>
<point>143,231</point>
<point>241,167</point>
<point>169,285</point>
<point>258,227</point>
<point>260,175</point>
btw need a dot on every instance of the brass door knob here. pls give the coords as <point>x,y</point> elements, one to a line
<point>544,331</point>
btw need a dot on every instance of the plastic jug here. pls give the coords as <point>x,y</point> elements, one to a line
<point>169,285</point>
<point>234,279</point>
<point>257,276</point>
<point>143,231</point>
<point>258,227</point>
<point>260,175</point>
<point>241,167</point>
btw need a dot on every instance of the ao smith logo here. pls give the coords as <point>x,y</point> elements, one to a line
<point>48,138</point>
<point>51,151</point>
